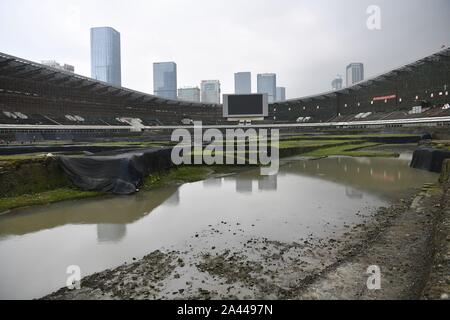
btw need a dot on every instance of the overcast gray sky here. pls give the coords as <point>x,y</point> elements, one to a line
<point>307,43</point>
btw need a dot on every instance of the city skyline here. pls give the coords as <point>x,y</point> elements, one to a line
<point>247,40</point>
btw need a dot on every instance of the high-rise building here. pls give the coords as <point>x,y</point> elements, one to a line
<point>210,91</point>
<point>281,94</point>
<point>105,55</point>
<point>355,73</point>
<point>56,65</point>
<point>243,83</point>
<point>165,79</point>
<point>189,94</point>
<point>267,83</point>
<point>336,84</point>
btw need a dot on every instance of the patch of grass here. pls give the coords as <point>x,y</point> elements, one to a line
<point>43,198</point>
<point>179,175</point>
<point>189,174</point>
<point>441,144</point>
<point>19,177</point>
<point>348,136</point>
<point>319,148</point>
<point>287,144</point>
<point>351,151</point>
<point>22,157</point>
<point>142,144</point>
<point>445,174</point>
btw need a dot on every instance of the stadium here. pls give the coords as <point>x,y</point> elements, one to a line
<point>108,193</point>
<point>39,102</point>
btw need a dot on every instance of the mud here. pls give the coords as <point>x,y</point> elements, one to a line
<point>409,242</point>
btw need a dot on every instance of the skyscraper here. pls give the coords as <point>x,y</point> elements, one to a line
<point>281,94</point>
<point>267,83</point>
<point>336,84</point>
<point>105,55</point>
<point>210,91</point>
<point>355,73</point>
<point>243,83</point>
<point>189,94</point>
<point>165,79</point>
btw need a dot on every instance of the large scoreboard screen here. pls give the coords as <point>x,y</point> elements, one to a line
<point>245,105</point>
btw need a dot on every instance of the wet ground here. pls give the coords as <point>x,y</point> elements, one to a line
<point>242,236</point>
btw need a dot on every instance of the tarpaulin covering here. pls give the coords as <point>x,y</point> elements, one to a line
<point>429,159</point>
<point>26,149</point>
<point>119,174</point>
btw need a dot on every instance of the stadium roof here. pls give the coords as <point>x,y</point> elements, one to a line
<point>445,53</point>
<point>21,68</point>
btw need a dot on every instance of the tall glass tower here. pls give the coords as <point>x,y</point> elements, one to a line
<point>105,55</point>
<point>281,94</point>
<point>243,83</point>
<point>267,83</point>
<point>355,73</point>
<point>165,80</point>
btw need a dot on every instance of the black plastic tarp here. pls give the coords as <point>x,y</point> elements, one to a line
<point>26,149</point>
<point>429,159</point>
<point>119,174</point>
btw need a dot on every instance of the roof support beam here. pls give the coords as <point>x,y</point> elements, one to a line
<point>31,73</point>
<point>47,77</point>
<point>127,96</point>
<point>140,99</point>
<point>115,92</point>
<point>77,84</point>
<point>62,80</point>
<point>89,86</point>
<point>11,70</point>
<point>101,90</point>
<point>6,63</point>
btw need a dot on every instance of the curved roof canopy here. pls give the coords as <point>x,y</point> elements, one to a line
<point>445,53</point>
<point>21,68</point>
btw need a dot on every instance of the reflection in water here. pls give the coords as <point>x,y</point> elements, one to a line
<point>268,183</point>
<point>384,177</point>
<point>97,234</point>
<point>174,200</point>
<point>353,193</point>
<point>244,185</point>
<point>111,232</point>
<point>212,182</point>
<point>245,182</point>
<point>111,210</point>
